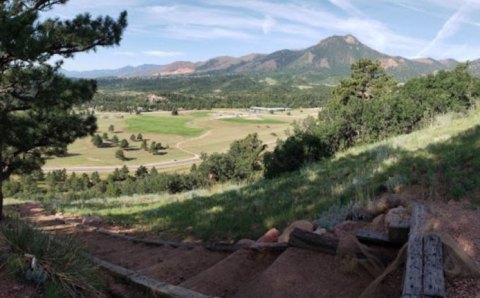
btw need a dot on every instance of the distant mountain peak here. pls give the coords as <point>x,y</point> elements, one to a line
<point>349,38</point>
<point>330,58</point>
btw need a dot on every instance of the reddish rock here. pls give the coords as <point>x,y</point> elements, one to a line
<point>270,236</point>
<point>378,223</point>
<point>300,224</point>
<point>395,215</point>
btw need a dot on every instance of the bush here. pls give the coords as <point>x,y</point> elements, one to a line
<point>57,266</point>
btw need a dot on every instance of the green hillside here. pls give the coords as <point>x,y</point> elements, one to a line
<point>440,160</point>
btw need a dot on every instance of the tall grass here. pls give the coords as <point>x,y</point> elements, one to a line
<point>59,267</point>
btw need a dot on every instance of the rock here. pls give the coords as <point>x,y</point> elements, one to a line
<point>245,241</point>
<point>378,223</point>
<point>346,227</point>
<point>270,236</point>
<point>396,215</point>
<point>320,231</point>
<point>300,224</point>
<point>92,220</point>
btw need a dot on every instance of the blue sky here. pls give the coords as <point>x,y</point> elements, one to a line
<point>163,31</point>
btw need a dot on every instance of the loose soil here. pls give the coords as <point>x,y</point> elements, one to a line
<point>294,273</point>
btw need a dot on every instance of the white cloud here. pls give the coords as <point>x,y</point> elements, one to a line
<point>268,24</point>
<point>347,6</point>
<point>162,54</point>
<point>314,19</point>
<point>448,29</point>
<point>125,53</point>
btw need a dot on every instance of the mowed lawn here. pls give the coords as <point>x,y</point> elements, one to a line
<point>170,125</point>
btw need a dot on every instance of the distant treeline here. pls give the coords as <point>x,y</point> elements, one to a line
<point>207,92</point>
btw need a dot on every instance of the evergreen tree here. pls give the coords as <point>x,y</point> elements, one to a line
<point>111,128</point>
<point>142,171</point>
<point>97,141</point>
<point>115,140</point>
<point>120,155</point>
<point>124,144</point>
<point>95,178</point>
<point>36,102</point>
<point>144,145</point>
<point>139,137</point>
<point>133,138</point>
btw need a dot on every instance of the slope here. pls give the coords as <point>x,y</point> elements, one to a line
<point>439,161</point>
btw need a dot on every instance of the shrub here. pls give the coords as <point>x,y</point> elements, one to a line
<point>59,267</point>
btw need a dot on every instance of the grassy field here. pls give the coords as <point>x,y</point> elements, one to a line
<point>193,132</point>
<point>442,161</point>
<point>166,125</point>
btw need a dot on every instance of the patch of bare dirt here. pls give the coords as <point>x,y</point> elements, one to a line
<point>463,224</point>
<point>224,278</point>
<point>9,288</point>
<point>305,273</point>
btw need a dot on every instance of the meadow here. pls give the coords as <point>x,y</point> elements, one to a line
<point>186,136</point>
<point>439,160</point>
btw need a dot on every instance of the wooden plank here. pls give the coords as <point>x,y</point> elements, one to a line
<point>157,288</point>
<point>377,238</point>
<point>308,240</point>
<point>412,284</point>
<point>433,278</point>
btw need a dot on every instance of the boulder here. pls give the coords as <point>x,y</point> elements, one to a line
<point>378,223</point>
<point>396,215</point>
<point>300,224</point>
<point>270,236</point>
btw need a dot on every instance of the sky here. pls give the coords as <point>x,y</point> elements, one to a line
<point>164,31</point>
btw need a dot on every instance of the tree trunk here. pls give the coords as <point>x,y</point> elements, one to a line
<point>1,201</point>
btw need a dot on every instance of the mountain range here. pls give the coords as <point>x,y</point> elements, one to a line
<point>330,58</point>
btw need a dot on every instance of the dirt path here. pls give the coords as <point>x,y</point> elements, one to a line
<point>244,273</point>
<point>195,155</point>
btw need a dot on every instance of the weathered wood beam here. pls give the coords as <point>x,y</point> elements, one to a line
<point>433,278</point>
<point>412,285</point>
<point>376,238</point>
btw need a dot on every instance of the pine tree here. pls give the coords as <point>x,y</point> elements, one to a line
<point>119,154</point>
<point>124,144</point>
<point>97,141</point>
<point>36,101</point>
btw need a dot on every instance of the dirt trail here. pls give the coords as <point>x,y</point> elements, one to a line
<point>244,273</point>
